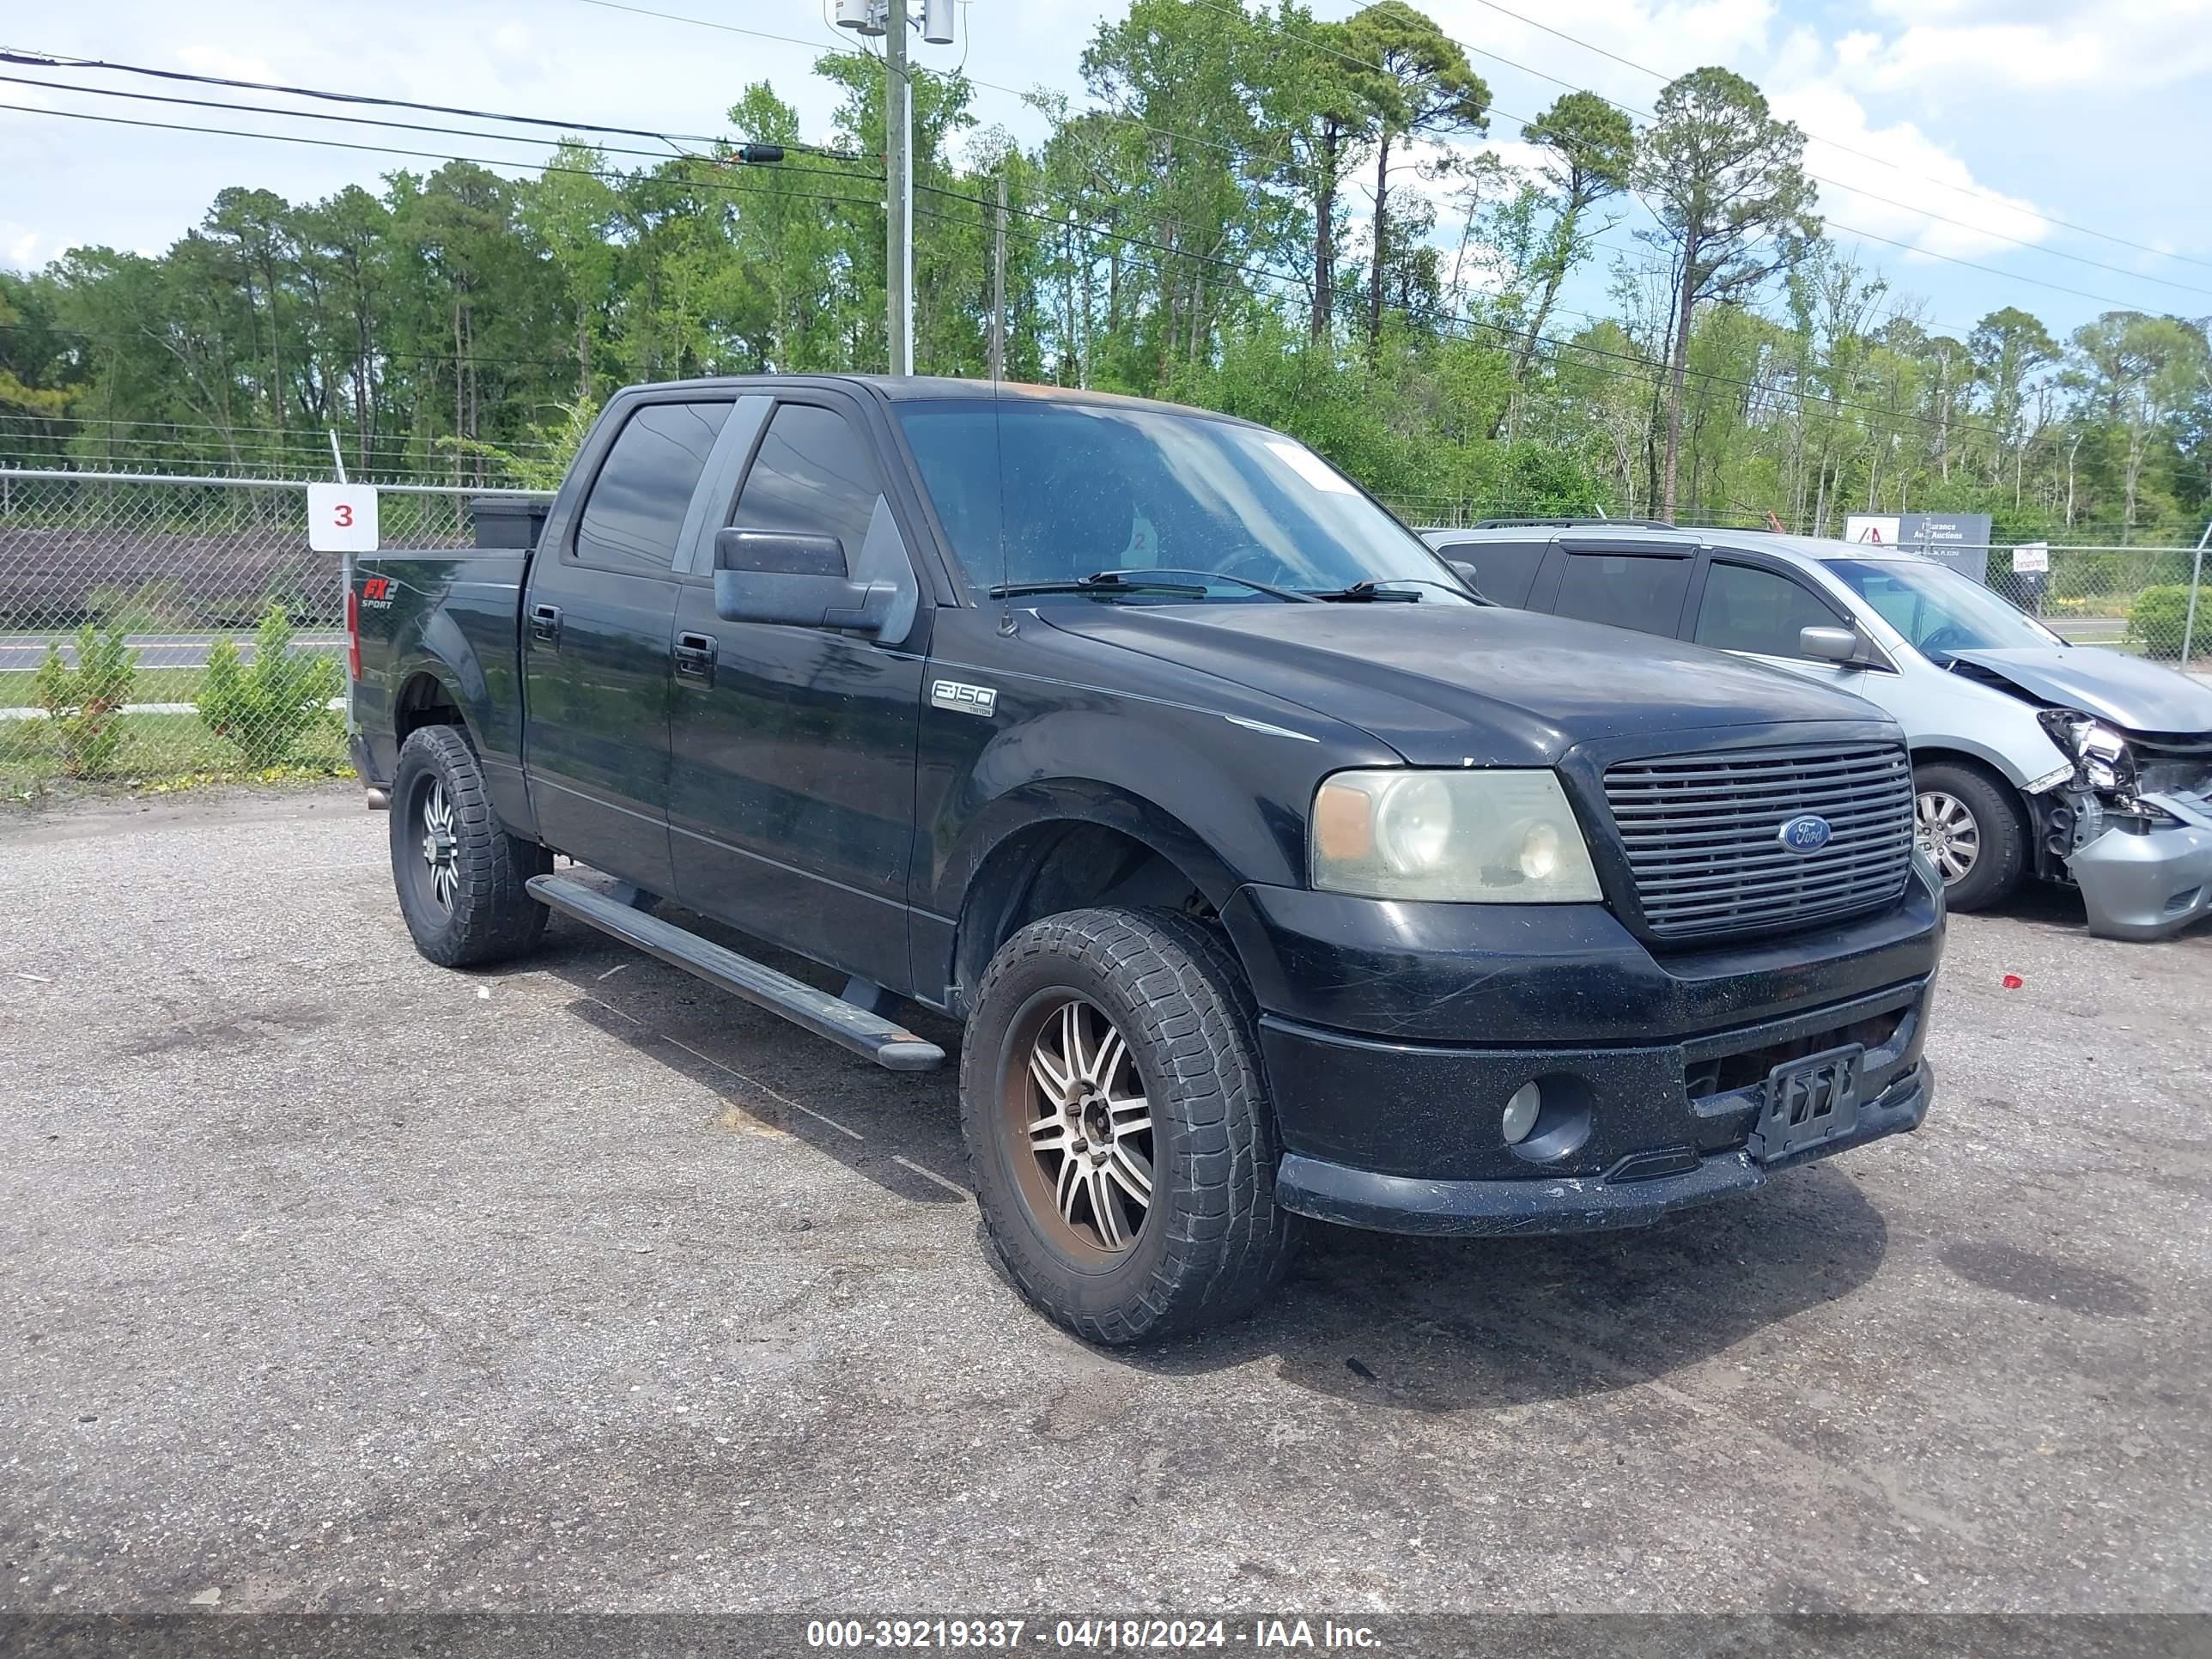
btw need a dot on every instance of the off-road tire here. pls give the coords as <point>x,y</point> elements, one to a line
<point>2001,859</point>
<point>491,916</point>
<point>1214,1241</point>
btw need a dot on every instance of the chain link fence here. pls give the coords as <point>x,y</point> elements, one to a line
<point>156,629</point>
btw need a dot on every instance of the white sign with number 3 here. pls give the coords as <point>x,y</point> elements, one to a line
<point>342,518</point>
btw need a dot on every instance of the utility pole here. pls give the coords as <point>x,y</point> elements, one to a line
<point>998,284</point>
<point>898,170</point>
<point>888,18</point>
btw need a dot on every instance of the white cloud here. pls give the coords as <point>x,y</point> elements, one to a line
<point>1905,200</point>
<point>2112,47</point>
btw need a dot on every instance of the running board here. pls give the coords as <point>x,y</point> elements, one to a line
<point>871,1035</point>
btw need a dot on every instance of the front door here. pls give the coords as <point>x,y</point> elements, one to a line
<point>791,797</point>
<point>595,623</point>
<point>1758,612</point>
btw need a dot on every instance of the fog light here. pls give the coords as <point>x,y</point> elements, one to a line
<point>1521,1109</point>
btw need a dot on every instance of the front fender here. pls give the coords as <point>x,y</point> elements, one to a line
<point>1222,804</point>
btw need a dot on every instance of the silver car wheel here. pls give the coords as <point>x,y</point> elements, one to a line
<point>1947,831</point>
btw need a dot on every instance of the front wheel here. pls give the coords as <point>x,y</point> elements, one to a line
<point>1118,1127</point>
<point>460,876</point>
<point>1966,822</point>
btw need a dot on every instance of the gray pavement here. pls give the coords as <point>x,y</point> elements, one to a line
<point>333,1281</point>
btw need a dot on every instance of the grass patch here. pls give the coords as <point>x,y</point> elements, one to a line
<point>161,753</point>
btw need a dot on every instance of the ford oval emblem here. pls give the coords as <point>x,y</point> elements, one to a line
<point>1807,834</point>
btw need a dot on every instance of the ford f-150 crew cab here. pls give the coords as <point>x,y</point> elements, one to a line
<point>1273,874</point>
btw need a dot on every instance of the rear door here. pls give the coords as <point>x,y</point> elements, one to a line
<point>792,793</point>
<point>1644,585</point>
<point>1505,572</point>
<point>596,621</point>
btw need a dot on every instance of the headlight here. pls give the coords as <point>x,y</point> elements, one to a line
<point>2101,752</point>
<point>1482,837</point>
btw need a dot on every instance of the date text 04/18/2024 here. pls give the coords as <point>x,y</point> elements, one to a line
<point>1091,1635</point>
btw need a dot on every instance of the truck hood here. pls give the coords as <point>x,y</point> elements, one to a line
<point>1441,683</point>
<point>2126,690</point>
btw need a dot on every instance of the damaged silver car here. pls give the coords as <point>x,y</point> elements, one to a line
<point>2031,757</point>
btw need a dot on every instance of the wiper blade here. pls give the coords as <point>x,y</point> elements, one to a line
<point>1106,581</point>
<point>1290,593</point>
<point>1365,593</point>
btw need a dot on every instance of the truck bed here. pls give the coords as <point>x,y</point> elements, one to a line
<point>421,607</point>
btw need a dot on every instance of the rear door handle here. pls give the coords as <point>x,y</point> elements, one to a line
<point>545,623</point>
<point>695,657</point>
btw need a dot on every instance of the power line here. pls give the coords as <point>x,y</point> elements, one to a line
<point>1259,272</point>
<point>49,60</point>
<point>439,155</point>
<point>671,155</point>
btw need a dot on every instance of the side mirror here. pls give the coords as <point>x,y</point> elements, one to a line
<point>795,580</point>
<point>1465,572</point>
<point>1829,644</point>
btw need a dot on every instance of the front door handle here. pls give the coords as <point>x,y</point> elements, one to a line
<point>695,657</point>
<point>545,623</point>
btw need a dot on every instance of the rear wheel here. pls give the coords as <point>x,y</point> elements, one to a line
<point>1118,1127</point>
<point>459,875</point>
<point>1966,822</point>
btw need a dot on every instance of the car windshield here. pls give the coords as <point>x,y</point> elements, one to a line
<point>1937,609</point>
<point>1034,492</point>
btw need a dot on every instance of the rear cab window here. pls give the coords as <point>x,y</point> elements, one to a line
<point>634,514</point>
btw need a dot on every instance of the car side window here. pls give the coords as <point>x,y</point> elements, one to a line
<point>633,516</point>
<point>1643,590</point>
<point>1746,608</point>
<point>813,474</point>
<point>1504,571</point>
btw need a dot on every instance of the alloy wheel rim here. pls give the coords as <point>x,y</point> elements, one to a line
<point>1085,1124</point>
<point>1947,833</point>
<point>440,844</point>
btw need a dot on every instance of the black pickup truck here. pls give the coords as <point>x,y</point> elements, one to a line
<point>1272,874</point>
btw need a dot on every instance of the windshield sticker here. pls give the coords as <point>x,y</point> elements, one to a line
<point>1310,467</point>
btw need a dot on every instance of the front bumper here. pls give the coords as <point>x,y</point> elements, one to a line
<point>1393,1034</point>
<point>1569,1204</point>
<point>2147,886</point>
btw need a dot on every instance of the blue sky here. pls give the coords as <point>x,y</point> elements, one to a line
<point>1959,128</point>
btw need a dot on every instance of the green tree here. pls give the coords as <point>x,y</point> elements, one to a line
<point>1726,181</point>
<point>1428,90</point>
<point>1590,154</point>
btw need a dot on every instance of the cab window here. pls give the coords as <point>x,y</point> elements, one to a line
<point>1747,608</point>
<point>813,474</point>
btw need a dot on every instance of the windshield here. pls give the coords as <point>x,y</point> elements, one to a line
<point>1053,492</point>
<point>1937,609</point>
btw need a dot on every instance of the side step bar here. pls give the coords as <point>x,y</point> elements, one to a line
<point>871,1035</point>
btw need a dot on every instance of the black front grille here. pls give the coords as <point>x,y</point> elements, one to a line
<point>1702,836</point>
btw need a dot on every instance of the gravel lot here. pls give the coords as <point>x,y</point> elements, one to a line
<point>333,1281</point>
